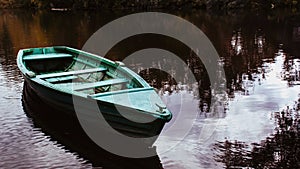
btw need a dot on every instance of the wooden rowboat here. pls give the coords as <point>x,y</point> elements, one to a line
<point>59,74</point>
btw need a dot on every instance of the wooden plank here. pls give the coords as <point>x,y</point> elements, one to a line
<point>76,72</point>
<point>47,56</point>
<point>120,92</point>
<point>100,84</point>
<point>61,79</point>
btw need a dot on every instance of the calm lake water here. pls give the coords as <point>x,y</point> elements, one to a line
<point>261,57</point>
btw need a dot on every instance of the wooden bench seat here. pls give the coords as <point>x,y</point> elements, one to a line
<point>47,56</point>
<point>76,72</point>
<point>120,92</point>
<point>100,84</point>
<point>61,79</point>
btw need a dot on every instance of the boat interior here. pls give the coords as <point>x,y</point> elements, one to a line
<point>80,71</point>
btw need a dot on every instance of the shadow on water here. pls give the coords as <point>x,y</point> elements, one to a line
<point>280,150</point>
<point>66,130</point>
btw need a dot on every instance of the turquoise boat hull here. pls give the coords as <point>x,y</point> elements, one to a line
<point>68,79</point>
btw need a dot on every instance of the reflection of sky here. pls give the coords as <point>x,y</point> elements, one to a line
<point>249,119</point>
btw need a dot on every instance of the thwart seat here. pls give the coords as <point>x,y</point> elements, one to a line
<point>109,82</point>
<point>76,72</point>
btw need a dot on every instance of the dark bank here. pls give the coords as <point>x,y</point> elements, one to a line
<point>212,5</point>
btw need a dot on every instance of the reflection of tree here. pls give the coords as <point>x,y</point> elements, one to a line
<point>6,53</point>
<point>6,44</point>
<point>281,150</point>
<point>176,78</point>
<point>291,72</point>
<point>234,153</point>
<point>158,78</point>
<point>7,48</point>
<point>248,51</point>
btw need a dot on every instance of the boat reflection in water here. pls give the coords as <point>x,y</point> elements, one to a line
<point>67,131</point>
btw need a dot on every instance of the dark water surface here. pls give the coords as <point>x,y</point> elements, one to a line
<point>258,114</point>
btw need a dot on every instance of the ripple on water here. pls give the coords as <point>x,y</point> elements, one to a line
<point>22,145</point>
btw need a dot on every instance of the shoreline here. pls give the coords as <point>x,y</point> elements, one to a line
<point>215,6</point>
